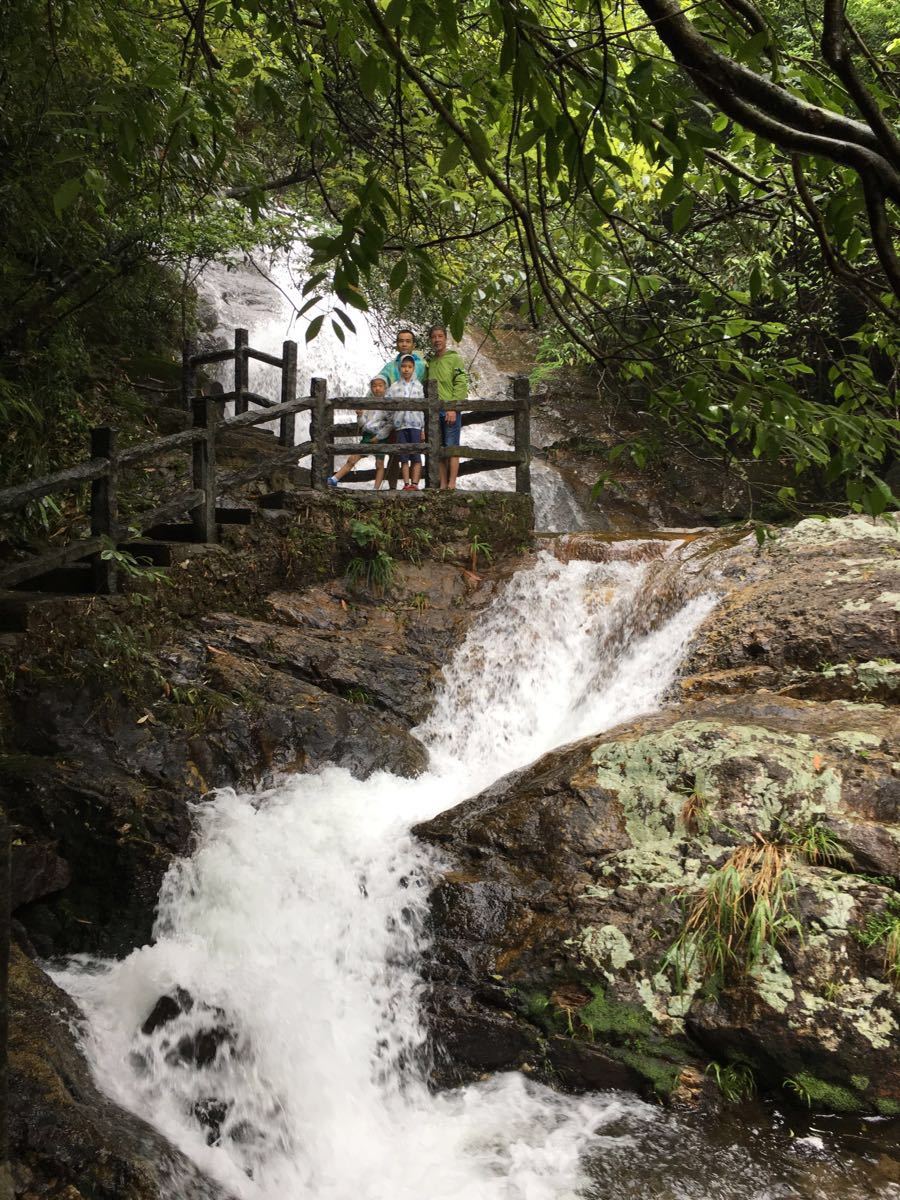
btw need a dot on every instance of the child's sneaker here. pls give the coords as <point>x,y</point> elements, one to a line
<point>332,481</point>
<point>410,487</point>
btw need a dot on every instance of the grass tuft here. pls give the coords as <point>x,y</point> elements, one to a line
<point>735,1080</point>
<point>742,913</point>
<point>884,929</point>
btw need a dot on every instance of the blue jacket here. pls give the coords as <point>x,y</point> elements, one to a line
<point>391,369</point>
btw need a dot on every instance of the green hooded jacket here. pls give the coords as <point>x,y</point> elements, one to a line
<point>450,372</point>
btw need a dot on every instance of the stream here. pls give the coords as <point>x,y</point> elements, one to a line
<point>298,929</point>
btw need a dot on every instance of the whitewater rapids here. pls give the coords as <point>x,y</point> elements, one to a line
<point>299,923</point>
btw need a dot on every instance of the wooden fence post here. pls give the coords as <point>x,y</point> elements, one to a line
<point>203,517</point>
<point>241,370</point>
<point>318,432</point>
<point>432,435</point>
<point>188,373</point>
<point>104,508</point>
<point>286,434</point>
<point>522,421</point>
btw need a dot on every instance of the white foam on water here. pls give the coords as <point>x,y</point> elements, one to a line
<point>299,923</point>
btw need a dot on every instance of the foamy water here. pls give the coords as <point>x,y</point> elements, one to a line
<point>298,927</point>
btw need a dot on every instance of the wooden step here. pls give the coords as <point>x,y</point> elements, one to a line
<point>76,579</point>
<point>183,531</point>
<point>149,553</point>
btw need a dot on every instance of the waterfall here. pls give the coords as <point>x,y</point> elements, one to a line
<point>297,930</point>
<point>265,298</point>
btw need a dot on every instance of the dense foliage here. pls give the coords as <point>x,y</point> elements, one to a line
<point>703,204</point>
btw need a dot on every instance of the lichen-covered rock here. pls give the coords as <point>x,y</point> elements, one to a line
<point>67,1141</point>
<point>573,880</point>
<point>812,613</point>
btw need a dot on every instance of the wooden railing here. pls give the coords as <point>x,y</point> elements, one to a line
<point>104,467</point>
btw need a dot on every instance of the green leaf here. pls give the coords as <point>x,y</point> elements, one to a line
<point>682,214</point>
<point>314,326</point>
<point>672,189</point>
<point>398,274</point>
<point>529,139</point>
<point>64,195</point>
<point>447,14</point>
<point>352,295</point>
<point>339,333</point>
<point>405,295</point>
<point>242,68</point>
<point>393,14</point>
<point>755,45</point>
<point>369,76</point>
<point>457,324</point>
<point>161,75</point>
<point>480,146</point>
<point>313,282</point>
<point>346,320</point>
<point>450,157</point>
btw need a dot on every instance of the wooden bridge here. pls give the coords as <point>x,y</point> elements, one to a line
<point>206,425</point>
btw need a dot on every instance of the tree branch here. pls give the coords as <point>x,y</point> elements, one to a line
<point>709,69</point>
<point>835,53</point>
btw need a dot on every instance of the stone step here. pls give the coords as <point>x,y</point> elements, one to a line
<point>16,606</point>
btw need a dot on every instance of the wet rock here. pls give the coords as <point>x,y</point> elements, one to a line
<point>211,1114</point>
<point>63,1133</point>
<point>166,1009</point>
<point>197,1046</point>
<point>572,879</point>
<point>813,613</point>
<point>201,1048</point>
<point>471,1038</point>
<point>36,870</point>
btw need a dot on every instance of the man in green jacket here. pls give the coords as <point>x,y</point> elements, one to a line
<point>447,367</point>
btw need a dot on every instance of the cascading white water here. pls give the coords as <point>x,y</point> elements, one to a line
<point>297,929</point>
<point>266,304</point>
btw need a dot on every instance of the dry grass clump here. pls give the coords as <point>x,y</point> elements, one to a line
<point>742,914</point>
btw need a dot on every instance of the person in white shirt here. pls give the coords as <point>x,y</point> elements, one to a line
<point>409,423</point>
<point>376,426</point>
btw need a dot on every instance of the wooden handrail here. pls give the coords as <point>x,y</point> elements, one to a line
<point>12,498</point>
<point>145,450</point>
<point>103,469</point>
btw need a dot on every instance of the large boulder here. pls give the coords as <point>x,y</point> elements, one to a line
<point>585,929</point>
<point>811,613</point>
<point>559,934</point>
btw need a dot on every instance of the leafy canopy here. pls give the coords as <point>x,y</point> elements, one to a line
<point>701,203</point>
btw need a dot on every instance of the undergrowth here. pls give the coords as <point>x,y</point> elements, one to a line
<point>883,929</point>
<point>736,1081</point>
<point>374,566</point>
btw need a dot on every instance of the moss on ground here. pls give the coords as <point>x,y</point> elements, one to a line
<point>604,1017</point>
<point>819,1093</point>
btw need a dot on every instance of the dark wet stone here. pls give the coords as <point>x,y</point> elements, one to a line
<point>65,1136</point>
<point>166,1009</point>
<point>211,1114</point>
